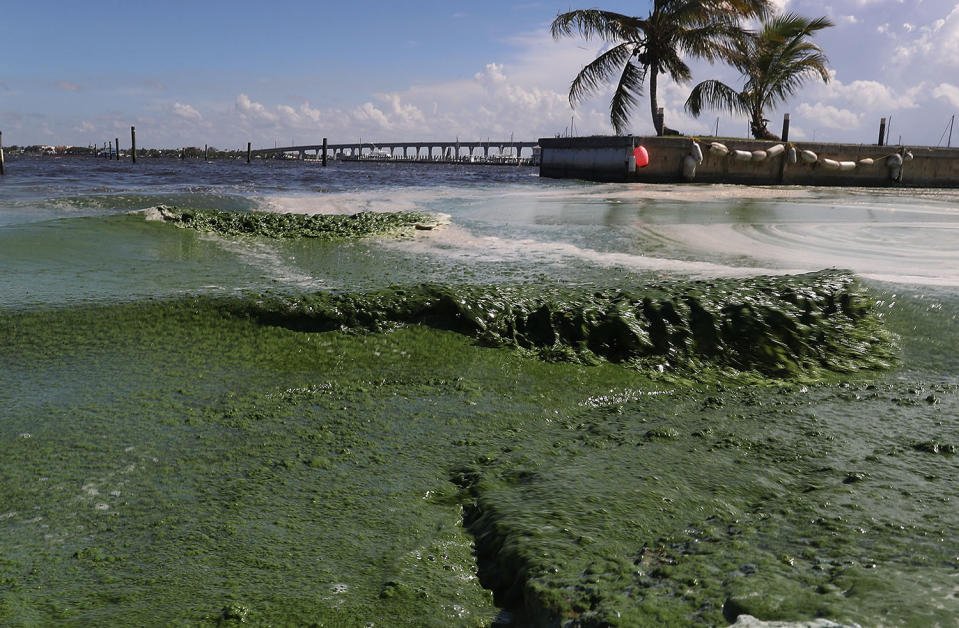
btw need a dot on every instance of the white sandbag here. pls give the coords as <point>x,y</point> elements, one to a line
<point>759,155</point>
<point>718,149</point>
<point>792,157</point>
<point>865,162</point>
<point>830,164</point>
<point>742,155</point>
<point>775,151</point>
<point>809,157</point>
<point>697,153</point>
<point>846,166</point>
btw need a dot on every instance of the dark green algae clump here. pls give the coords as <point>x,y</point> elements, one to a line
<point>335,227</point>
<point>777,326</point>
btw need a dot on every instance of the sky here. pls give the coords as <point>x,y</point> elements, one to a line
<point>293,72</point>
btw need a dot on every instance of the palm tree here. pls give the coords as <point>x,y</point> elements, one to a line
<point>647,47</point>
<point>775,62</point>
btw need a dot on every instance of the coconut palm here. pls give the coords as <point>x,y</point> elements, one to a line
<point>644,47</point>
<point>775,62</point>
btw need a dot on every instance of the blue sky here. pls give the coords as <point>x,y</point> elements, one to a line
<point>224,73</point>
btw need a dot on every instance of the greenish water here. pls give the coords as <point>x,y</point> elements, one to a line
<point>343,478</point>
<point>517,419</point>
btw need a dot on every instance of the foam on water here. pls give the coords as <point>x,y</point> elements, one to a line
<point>461,244</point>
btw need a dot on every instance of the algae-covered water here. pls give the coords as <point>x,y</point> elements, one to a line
<point>568,404</point>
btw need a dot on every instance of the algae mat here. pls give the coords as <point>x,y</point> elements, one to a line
<point>196,461</point>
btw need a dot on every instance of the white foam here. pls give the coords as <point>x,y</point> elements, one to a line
<point>265,257</point>
<point>459,243</point>
<point>900,252</point>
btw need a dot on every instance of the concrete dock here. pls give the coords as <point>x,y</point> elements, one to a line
<point>745,161</point>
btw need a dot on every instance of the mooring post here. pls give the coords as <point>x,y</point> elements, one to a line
<point>2,165</point>
<point>882,131</point>
<point>206,152</point>
<point>117,140</point>
<point>324,151</point>
<point>785,138</point>
<point>248,151</point>
<point>133,143</point>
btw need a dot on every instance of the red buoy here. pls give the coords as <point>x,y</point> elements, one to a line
<point>642,157</point>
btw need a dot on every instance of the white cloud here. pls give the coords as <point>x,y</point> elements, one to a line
<point>829,116</point>
<point>932,44</point>
<point>254,110</point>
<point>868,95</point>
<point>68,86</point>
<point>947,92</point>
<point>185,112</point>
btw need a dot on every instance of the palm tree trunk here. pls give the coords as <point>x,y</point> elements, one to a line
<point>654,101</point>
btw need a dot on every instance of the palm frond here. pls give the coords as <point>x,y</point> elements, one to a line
<point>714,94</point>
<point>625,98</point>
<point>599,71</point>
<point>589,23</point>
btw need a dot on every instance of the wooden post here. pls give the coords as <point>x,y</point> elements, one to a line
<point>2,166</point>
<point>324,151</point>
<point>882,131</point>
<point>785,138</point>
<point>248,151</point>
<point>118,147</point>
<point>206,152</point>
<point>133,143</point>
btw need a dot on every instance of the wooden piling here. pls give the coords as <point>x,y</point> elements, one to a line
<point>249,146</point>
<point>324,152</point>
<point>133,143</point>
<point>882,131</point>
<point>206,152</point>
<point>117,139</point>
<point>2,165</point>
<point>785,138</point>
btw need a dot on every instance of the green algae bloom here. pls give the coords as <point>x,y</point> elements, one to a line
<point>335,227</point>
<point>778,326</point>
<point>288,463</point>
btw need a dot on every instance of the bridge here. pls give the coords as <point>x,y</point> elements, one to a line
<point>435,150</point>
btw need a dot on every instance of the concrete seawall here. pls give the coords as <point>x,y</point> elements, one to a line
<point>610,158</point>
